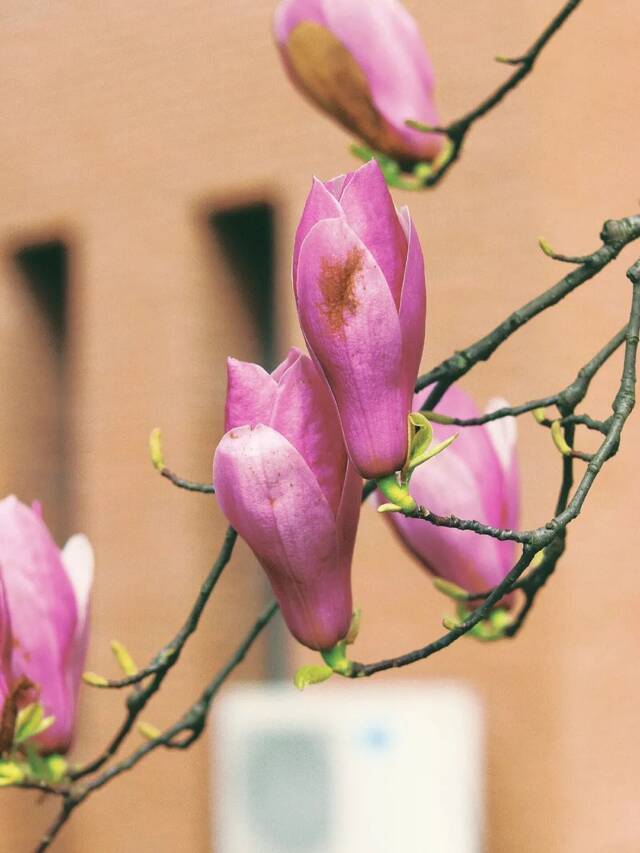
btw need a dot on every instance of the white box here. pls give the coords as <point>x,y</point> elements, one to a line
<point>354,768</point>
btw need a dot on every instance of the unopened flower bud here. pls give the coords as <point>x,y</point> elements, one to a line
<point>285,483</point>
<point>364,63</point>
<point>359,285</point>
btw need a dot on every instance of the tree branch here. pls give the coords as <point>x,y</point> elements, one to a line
<point>457,130</point>
<point>166,658</point>
<point>574,393</point>
<point>193,722</point>
<point>189,485</point>
<point>554,532</point>
<point>615,235</point>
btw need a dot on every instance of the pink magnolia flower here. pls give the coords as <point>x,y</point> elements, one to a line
<point>359,282</point>
<point>476,477</point>
<point>365,64</point>
<point>5,645</point>
<point>47,599</point>
<point>285,483</point>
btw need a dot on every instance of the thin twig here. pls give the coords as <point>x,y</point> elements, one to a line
<point>166,658</point>
<point>189,485</point>
<point>503,412</point>
<point>457,130</point>
<point>572,394</point>
<point>616,234</point>
<point>554,532</point>
<point>193,722</point>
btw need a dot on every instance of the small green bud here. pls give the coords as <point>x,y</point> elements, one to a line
<point>389,508</point>
<point>397,494</point>
<point>354,627</point>
<point>124,659</point>
<point>361,152</point>
<point>546,248</point>
<point>155,449</point>
<point>94,680</point>
<point>36,764</point>
<point>500,619</point>
<point>433,451</point>
<point>438,418</point>
<point>57,768</point>
<point>422,171</point>
<point>420,440</point>
<point>447,152</point>
<point>311,674</point>
<point>10,773</point>
<point>483,631</point>
<point>559,440</point>
<point>540,414</point>
<point>537,559</point>
<point>451,590</point>
<point>337,658</point>
<point>420,449</point>
<point>419,126</point>
<point>149,731</point>
<point>27,721</point>
<point>30,722</point>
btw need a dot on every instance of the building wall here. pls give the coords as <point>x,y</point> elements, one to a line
<point>124,127</point>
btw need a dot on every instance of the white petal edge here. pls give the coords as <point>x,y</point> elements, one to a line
<point>78,560</point>
<point>502,432</point>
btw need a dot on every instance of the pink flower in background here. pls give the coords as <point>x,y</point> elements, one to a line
<point>359,283</point>
<point>47,598</point>
<point>284,481</point>
<point>5,645</point>
<point>365,64</point>
<point>477,477</point>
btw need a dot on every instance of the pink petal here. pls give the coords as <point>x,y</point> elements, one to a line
<point>349,512</point>
<point>290,13</point>
<point>271,497</point>
<point>447,485</point>
<point>503,434</point>
<point>351,325</point>
<point>475,449</point>
<point>78,561</point>
<point>5,645</point>
<point>250,394</point>
<point>385,42</point>
<point>336,185</point>
<point>292,357</point>
<point>413,304</point>
<point>369,209</point>
<point>43,614</point>
<point>466,480</point>
<point>320,204</point>
<point>305,414</point>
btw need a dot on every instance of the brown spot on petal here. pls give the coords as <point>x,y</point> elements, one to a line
<point>16,645</point>
<point>330,76</point>
<point>337,284</point>
<point>10,711</point>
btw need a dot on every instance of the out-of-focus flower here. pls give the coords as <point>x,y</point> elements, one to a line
<point>365,64</point>
<point>359,283</point>
<point>5,645</point>
<point>284,481</point>
<point>477,477</point>
<point>47,597</point>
